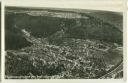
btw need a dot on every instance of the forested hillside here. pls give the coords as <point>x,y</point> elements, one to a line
<point>61,44</point>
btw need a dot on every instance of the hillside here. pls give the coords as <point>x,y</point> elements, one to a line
<point>113,18</point>
<point>86,26</point>
<point>60,44</point>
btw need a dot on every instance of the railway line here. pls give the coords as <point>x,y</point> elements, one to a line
<point>112,73</point>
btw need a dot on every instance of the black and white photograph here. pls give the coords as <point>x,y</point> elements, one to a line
<point>62,43</point>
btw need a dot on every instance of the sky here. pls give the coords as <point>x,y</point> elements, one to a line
<point>110,5</point>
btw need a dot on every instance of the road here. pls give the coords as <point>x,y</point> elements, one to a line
<point>113,72</point>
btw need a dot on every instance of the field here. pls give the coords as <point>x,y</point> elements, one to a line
<point>62,44</point>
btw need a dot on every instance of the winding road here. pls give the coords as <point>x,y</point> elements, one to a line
<point>112,73</point>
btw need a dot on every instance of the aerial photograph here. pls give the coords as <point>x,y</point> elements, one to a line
<point>63,43</point>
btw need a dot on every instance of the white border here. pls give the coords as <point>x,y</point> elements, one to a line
<point>125,42</point>
<point>2,42</point>
<point>62,80</point>
<point>109,5</point>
